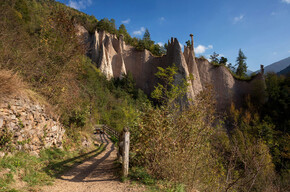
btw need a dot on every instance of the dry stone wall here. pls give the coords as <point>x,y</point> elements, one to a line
<point>31,127</point>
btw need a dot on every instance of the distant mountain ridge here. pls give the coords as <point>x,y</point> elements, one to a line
<point>285,71</point>
<point>277,66</point>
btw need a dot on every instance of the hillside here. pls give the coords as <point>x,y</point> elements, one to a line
<point>285,71</point>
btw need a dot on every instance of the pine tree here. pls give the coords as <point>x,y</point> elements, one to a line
<point>122,29</point>
<point>214,58</point>
<point>241,63</point>
<point>146,36</point>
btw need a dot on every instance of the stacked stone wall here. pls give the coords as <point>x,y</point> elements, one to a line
<point>31,128</point>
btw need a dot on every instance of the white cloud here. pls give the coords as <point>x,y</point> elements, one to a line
<point>201,49</point>
<point>238,19</point>
<point>273,13</point>
<point>274,53</point>
<point>161,19</point>
<point>289,51</point>
<point>127,21</point>
<point>160,44</point>
<point>139,32</point>
<point>81,4</point>
<point>286,1</point>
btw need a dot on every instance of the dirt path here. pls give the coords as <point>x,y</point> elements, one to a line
<point>95,175</point>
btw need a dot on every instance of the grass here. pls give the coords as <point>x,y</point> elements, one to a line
<point>114,139</point>
<point>10,84</point>
<point>141,176</point>
<point>42,170</point>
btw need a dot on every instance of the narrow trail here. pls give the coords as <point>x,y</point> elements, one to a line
<point>98,174</point>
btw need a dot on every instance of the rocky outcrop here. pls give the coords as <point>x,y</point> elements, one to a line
<point>114,58</point>
<point>30,126</point>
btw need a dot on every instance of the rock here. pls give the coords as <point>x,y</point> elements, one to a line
<point>96,143</point>
<point>13,117</point>
<point>1,122</point>
<point>54,128</point>
<point>114,57</point>
<point>26,146</point>
<point>35,139</point>
<point>19,147</point>
<point>47,145</point>
<point>2,154</point>
<point>20,138</point>
<point>34,153</point>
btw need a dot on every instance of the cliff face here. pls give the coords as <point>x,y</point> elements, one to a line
<point>114,58</point>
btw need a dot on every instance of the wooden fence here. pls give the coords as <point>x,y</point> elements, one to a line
<point>108,130</point>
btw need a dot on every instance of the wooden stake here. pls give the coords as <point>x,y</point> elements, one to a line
<point>126,153</point>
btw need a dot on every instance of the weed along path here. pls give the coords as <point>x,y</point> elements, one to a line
<point>98,174</point>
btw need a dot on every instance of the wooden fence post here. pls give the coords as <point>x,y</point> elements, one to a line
<point>125,157</point>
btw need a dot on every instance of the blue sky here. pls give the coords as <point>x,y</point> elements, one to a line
<point>261,28</point>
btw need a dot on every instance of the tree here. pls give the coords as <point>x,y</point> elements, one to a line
<point>146,36</point>
<point>214,58</point>
<point>166,46</point>
<point>231,67</point>
<point>123,30</point>
<point>188,43</point>
<point>223,61</point>
<point>241,63</point>
<point>113,23</point>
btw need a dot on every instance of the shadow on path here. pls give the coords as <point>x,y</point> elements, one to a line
<point>60,167</point>
<point>82,172</point>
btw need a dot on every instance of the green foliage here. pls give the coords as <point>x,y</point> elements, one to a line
<point>187,147</point>
<point>5,138</point>
<point>276,112</point>
<point>142,44</point>
<point>188,43</point>
<point>166,92</point>
<point>140,174</point>
<point>37,171</point>
<point>147,36</point>
<point>53,62</point>
<point>107,25</point>
<point>249,160</point>
<point>31,166</point>
<point>223,61</point>
<point>231,68</point>
<point>158,140</point>
<point>114,139</point>
<point>241,64</point>
<point>214,58</point>
<point>5,180</point>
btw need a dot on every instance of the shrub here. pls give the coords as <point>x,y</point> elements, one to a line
<point>10,84</point>
<point>173,144</point>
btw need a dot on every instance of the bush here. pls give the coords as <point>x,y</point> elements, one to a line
<point>174,144</point>
<point>10,84</point>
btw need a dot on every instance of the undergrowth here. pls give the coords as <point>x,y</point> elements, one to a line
<point>139,175</point>
<point>42,170</point>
